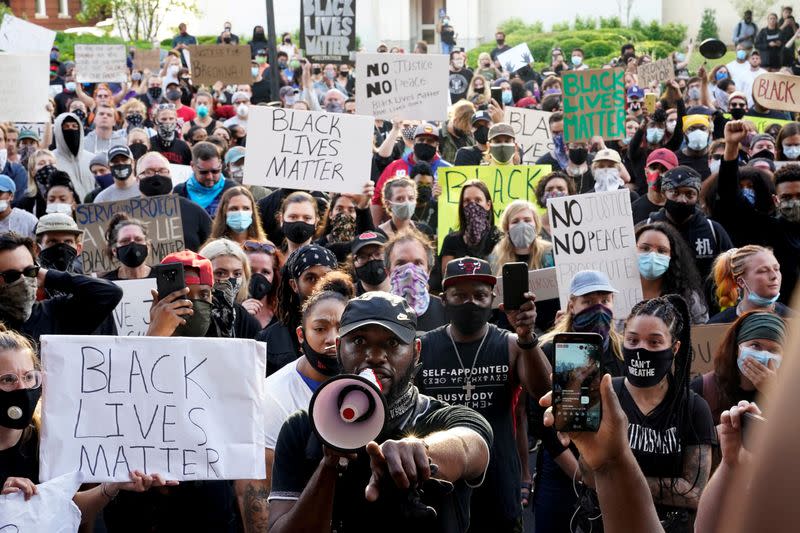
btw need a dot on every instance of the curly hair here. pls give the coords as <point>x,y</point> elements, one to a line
<point>540,187</point>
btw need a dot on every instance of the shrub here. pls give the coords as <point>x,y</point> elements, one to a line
<point>587,23</point>
<point>708,26</point>
<point>610,22</point>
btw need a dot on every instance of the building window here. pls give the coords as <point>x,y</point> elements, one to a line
<point>63,8</point>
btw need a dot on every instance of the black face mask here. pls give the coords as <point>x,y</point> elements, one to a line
<point>373,272</point>
<point>72,138</point>
<point>80,114</point>
<point>132,254</point>
<point>322,363</point>
<point>121,172</point>
<point>173,96</point>
<point>298,232</point>
<point>679,212</point>
<point>481,134</point>
<point>154,92</point>
<point>259,286</point>
<point>578,155</point>
<point>468,318</point>
<point>424,152</point>
<point>155,185</point>
<point>58,257</point>
<point>138,150</point>
<point>424,194</point>
<point>646,368</point>
<point>765,154</point>
<point>17,407</point>
<point>737,113</point>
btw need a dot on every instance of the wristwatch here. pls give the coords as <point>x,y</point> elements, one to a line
<point>529,345</point>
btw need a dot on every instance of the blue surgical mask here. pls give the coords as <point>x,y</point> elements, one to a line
<point>654,135</point>
<point>70,86</point>
<point>239,221</point>
<point>791,151</point>
<point>749,195</point>
<point>680,58</point>
<point>202,111</point>
<point>721,75</point>
<point>762,356</point>
<point>508,99</point>
<point>759,301</point>
<point>653,265</point>
<point>254,71</point>
<point>741,55</point>
<point>577,60</point>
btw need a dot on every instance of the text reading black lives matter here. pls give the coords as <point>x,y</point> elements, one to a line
<point>309,147</point>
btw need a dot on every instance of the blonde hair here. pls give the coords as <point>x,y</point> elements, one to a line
<point>564,325</point>
<point>461,116</point>
<point>504,250</point>
<point>728,267</point>
<point>33,189</point>
<point>133,105</point>
<point>12,341</point>
<point>485,94</point>
<point>226,247</point>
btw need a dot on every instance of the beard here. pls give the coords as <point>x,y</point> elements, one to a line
<point>401,384</point>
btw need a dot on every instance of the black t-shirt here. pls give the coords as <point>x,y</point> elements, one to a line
<point>433,317</point>
<point>443,377</point>
<point>641,209</point>
<point>699,163</point>
<point>177,152</point>
<point>448,35</point>
<point>655,439</point>
<point>459,84</point>
<point>496,51</point>
<point>22,459</point>
<point>715,404</point>
<point>729,315</point>
<point>196,224</point>
<point>468,156</point>
<point>282,346</point>
<point>454,245</point>
<point>298,453</point>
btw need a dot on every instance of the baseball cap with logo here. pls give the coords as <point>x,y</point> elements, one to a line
<point>468,269</point>
<point>380,308</point>
<point>119,150</point>
<point>426,129</point>
<point>365,239</point>
<point>188,258</point>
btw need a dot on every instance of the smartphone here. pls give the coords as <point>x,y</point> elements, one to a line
<point>497,95</point>
<point>752,425</point>
<point>169,278</point>
<point>515,285</point>
<point>576,381</point>
<point>650,102</point>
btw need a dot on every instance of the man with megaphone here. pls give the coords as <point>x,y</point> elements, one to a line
<point>372,454</point>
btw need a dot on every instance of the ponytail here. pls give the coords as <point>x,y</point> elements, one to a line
<point>727,291</point>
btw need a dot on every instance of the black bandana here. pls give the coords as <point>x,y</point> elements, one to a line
<point>309,256</point>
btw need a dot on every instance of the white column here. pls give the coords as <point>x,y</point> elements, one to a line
<point>63,9</point>
<point>41,9</point>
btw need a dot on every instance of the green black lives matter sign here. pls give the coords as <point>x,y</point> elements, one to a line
<point>328,30</point>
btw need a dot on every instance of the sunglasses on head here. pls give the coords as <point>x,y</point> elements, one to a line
<point>253,246</point>
<point>10,276</point>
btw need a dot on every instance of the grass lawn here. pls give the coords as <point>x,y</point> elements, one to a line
<point>697,60</point>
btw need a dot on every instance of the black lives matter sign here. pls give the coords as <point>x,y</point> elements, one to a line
<point>328,30</point>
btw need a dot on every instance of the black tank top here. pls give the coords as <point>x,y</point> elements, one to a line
<point>209,129</point>
<point>443,378</point>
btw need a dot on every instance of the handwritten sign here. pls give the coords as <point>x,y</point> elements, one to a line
<point>308,150</point>
<point>211,63</point>
<point>656,72</point>
<point>777,91</point>
<point>531,131</point>
<point>24,89</point>
<point>36,127</point>
<point>506,184</point>
<point>161,216</point>
<point>144,59</point>
<point>132,314</point>
<point>328,30</point>
<point>186,408</point>
<point>100,62</point>
<point>761,124</point>
<point>50,509</point>
<point>514,59</point>
<point>706,339</point>
<point>595,232</point>
<point>411,86</point>
<point>594,104</point>
<point>542,282</point>
<point>20,36</point>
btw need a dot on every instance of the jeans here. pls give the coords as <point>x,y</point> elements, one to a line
<point>555,499</point>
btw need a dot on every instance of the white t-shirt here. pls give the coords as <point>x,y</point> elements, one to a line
<point>285,393</point>
<point>747,85</point>
<point>739,72</point>
<point>19,221</point>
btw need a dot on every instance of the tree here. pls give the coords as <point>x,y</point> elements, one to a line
<point>708,26</point>
<point>135,19</point>
<point>625,6</point>
<point>758,7</point>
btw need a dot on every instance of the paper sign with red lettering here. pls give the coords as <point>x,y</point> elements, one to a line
<point>186,408</point>
<point>777,91</point>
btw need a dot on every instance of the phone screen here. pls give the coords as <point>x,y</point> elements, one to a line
<point>576,386</point>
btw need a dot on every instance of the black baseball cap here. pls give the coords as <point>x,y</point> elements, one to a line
<point>117,150</point>
<point>468,269</point>
<point>380,309</point>
<point>366,238</point>
<point>481,115</point>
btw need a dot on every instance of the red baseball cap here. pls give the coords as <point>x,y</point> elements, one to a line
<point>192,259</point>
<point>663,156</point>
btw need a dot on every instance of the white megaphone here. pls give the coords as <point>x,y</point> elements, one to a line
<point>348,411</point>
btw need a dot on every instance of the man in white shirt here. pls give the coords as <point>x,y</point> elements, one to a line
<point>241,103</point>
<point>12,218</point>
<point>750,76</point>
<point>739,68</point>
<point>125,186</point>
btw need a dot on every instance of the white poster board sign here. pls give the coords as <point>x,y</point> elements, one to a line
<point>20,36</point>
<point>410,86</point>
<point>308,150</point>
<point>101,62</point>
<point>514,59</point>
<point>531,131</point>
<point>180,173</point>
<point>595,232</point>
<point>25,87</point>
<point>51,509</point>
<point>132,314</point>
<point>542,282</point>
<point>36,127</point>
<point>186,408</point>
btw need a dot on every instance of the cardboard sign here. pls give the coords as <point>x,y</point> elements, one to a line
<point>328,30</point>
<point>308,150</point>
<point>531,131</point>
<point>777,91</point>
<point>411,86</point>
<point>132,314</point>
<point>186,408</point>
<point>24,89</point>
<point>101,62</point>
<point>144,59</point>
<point>21,37</point>
<point>542,282</point>
<point>706,339</point>
<point>595,232</point>
<point>161,216</point>
<point>761,124</point>
<point>514,59</point>
<point>211,63</point>
<point>594,104</point>
<point>506,184</point>
<point>656,72</point>
<point>50,509</point>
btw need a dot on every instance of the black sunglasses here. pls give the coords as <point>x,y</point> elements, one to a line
<point>253,246</point>
<point>10,276</point>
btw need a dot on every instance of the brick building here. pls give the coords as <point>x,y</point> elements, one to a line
<point>53,14</point>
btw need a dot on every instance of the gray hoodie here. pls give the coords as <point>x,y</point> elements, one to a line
<point>76,166</point>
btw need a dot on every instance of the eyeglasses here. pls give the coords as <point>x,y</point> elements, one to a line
<point>32,379</point>
<point>150,172</point>
<point>171,107</point>
<point>214,171</point>
<point>10,276</point>
<point>253,246</point>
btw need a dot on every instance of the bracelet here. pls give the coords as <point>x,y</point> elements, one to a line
<point>106,494</point>
<point>529,345</point>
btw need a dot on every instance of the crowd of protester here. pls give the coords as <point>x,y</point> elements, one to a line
<point>339,282</point>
